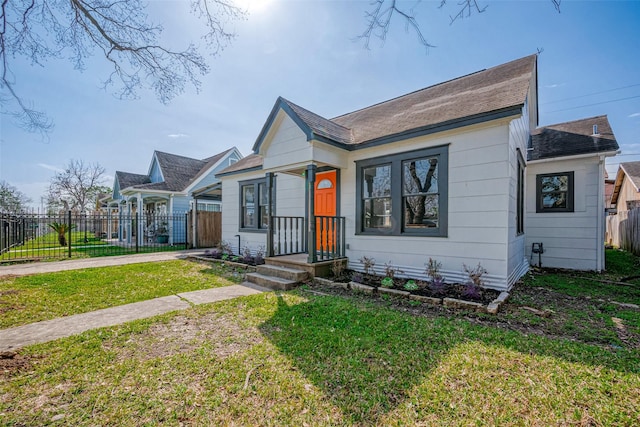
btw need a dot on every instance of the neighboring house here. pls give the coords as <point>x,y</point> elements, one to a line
<point>172,186</point>
<point>448,172</point>
<point>626,189</point>
<point>623,226</point>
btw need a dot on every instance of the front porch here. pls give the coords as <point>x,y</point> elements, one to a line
<point>312,242</point>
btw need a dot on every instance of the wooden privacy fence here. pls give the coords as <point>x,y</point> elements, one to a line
<point>623,230</point>
<point>207,231</point>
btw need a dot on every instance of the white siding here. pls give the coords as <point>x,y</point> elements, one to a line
<point>518,139</point>
<point>285,144</point>
<point>289,191</point>
<point>570,239</point>
<point>479,184</point>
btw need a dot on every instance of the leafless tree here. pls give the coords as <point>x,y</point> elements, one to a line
<point>12,199</point>
<point>121,31</point>
<point>383,12</point>
<point>78,186</point>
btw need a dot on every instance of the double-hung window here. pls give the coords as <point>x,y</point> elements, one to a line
<point>254,206</point>
<point>554,192</point>
<point>403,193</point>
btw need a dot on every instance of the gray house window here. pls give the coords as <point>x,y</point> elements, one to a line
<point>254,207</point>
<point>403,194</point>
<point>554,192</point>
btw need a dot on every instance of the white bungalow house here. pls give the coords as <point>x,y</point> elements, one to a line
<point>172,186</point>
<point>457,172</point>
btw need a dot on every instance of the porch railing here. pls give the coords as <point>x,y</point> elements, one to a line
<point>287,235</point>
<point>329,237</point>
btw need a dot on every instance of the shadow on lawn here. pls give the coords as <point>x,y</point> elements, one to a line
<point>367,359</point>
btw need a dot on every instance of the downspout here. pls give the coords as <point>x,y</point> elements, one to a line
<point>600,264</point>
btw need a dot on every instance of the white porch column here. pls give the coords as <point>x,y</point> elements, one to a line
<point>140,211</point>
<point>109,211</point>
<point>171,213</point>
<point>130,219</point>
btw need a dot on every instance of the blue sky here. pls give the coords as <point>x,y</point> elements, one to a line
<point>305,51</point>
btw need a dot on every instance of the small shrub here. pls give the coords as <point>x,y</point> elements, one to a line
<point>259,258</point>
<point>410,285</point>
<point>224,257</point>
<point>437,286</point>
<point>471,291</point>
<point>357,277</point>
<point>213,253</point>
<point>247,258</point>
<point>337,268</point>
<point>368,264</point>
<point>391,271</point>
<point>473,286</point>
<point>387,282</point>
<point>433,269</point>
<point>225,247</point>
<point>235,258</point>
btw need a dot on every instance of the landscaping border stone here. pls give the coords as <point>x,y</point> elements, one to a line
<point>492,308</point>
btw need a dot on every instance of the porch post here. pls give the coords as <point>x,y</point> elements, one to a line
<point>140,210</point>
<point>129,221</point>
<point>269,178</point>
<point>171,219</point>
<point>311,217</point>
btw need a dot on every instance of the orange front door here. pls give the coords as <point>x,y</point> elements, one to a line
<point>325,206</point>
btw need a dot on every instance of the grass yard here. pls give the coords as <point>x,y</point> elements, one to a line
<point>39,297</point>
<point>308,357</point>
<point>302,359</point>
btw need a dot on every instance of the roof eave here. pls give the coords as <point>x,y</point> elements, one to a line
<point>239,171</point>
<point>609,153</point>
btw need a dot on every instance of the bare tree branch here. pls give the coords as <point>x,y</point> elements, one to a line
<point>382,12</point>
<point>39,30</point>
<point>78,185</point>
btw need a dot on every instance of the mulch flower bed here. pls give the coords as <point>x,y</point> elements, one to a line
<point>432,289</point>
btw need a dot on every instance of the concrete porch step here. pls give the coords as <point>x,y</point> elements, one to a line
<point>282,272</point>
<point>271,282</point>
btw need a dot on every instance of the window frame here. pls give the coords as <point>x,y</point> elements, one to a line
<point>570,193</point>
<point>396,161</point>
<point>257,184</point>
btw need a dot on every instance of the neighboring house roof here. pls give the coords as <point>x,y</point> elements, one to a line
<point>126,179</point>
<point>632,171</point>
<point>178,172</point>
<point>572,138</point>
<point>500,91</point>
<point>252,161</point>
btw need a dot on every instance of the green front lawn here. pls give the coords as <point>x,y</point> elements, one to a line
<point>46,296</point>
<point>299,359</point>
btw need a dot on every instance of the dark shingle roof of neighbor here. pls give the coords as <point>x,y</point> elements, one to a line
<point>178,172</point>
<point>632,169</point>
<point>572,138</point>
<point>126,179</point>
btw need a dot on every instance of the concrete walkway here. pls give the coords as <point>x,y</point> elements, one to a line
<point>76,264</point>
<point>12,339</point>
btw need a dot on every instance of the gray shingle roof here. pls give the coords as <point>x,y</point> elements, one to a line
<point>249,162</point>
<point>321,126</point>
<point>178,172</point>
<point>126,179</point>
<point>632,170</point>
<point>572,138</point>
<point>490,90</point>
